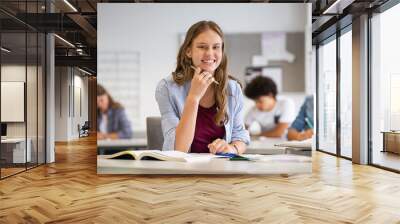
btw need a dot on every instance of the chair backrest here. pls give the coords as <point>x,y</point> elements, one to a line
<point>155,138</point>
<point>86,125</point>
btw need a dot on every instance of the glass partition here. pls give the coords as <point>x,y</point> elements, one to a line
<point>13,87</point>
<point>31,97</point>
<point>41,88</point>
<point>327,97</point>
<point>385,89</point>
<point>22,88</point>
<point>346,94</point>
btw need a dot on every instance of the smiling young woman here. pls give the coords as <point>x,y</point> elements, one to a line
<point>199,115</point>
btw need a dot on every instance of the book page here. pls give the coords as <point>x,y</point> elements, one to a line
<point>306,144</point>
<point>129,154</point>
<point>178,156</point>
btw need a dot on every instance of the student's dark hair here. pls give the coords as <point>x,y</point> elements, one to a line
<point>261,86</point>
<point>102,91</point>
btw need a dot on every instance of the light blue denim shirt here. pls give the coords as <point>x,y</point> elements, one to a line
<point>171,99</point>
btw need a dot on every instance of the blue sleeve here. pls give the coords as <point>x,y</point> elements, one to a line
<point>300,122</point>
<point>125,129</point>
<point>169,118</point>
<point>239,133</point>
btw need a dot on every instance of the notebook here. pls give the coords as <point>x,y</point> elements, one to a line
<point>176,156</point>
<point>306,144</point>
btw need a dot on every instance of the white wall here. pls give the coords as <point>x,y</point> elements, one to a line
<point>154,29</point>
<point>68,81</point>
<point>17,73</point>
<point>61,103</point>
<point>80,83</point>
<point>310,56</point>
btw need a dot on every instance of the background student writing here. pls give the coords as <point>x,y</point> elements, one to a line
<point>272,114</point>
<point>197,114</point>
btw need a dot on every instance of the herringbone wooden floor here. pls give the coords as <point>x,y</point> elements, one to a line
<point>70,191</point>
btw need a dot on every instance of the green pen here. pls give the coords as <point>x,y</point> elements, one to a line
<point>240,158</point>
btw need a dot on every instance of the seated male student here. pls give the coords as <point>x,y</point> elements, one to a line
<point>302,126</point>
<point>273,114</point>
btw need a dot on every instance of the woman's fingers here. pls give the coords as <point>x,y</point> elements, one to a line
<point>217,145</point>
<point>206,79</point>
<point>212,146</point>
<point>203,77</point>
<point>226,149</point>
<point>209,79</point>
<point>206,75</point>
<point>200,82</point>
<point>197,70</point>
<point>223,146</point>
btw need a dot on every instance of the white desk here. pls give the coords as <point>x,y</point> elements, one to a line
<point>265,146</point>
<point>214,166</point>
<point>18,150</point>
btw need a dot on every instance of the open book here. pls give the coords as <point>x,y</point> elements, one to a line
<point>176,156</point>
<point>305,144</point>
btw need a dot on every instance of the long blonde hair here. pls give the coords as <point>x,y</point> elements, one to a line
<point>184,72</point>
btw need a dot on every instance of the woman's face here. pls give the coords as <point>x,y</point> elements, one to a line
<point>103,102</point>
<point>206,51</point>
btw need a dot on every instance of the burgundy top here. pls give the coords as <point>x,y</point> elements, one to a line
<point>206,130</point>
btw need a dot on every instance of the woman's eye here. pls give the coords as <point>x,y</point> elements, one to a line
<point>217,47</point>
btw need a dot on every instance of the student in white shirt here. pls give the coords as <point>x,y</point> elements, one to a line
<point>272,114</point>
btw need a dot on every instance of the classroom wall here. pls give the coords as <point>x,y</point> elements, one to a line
<point>81,103</point>
<point>62,80</point>
<point>152,31</point>
<point>242,47</point>
<point>71,102</point>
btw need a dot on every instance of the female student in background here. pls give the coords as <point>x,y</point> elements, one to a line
<point>112,122</point>
<point>198,115</point>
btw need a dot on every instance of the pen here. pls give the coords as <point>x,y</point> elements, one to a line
<point>233,156</point>
<point>308,122</point>
<point>230,155</point>
<point>194,68</point>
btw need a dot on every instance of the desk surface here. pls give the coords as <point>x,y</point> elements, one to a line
<point>14,140</point>
<point>265,146</point>
<point>391,132</point>
<point>257,146</point>
<point>214,166</point>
